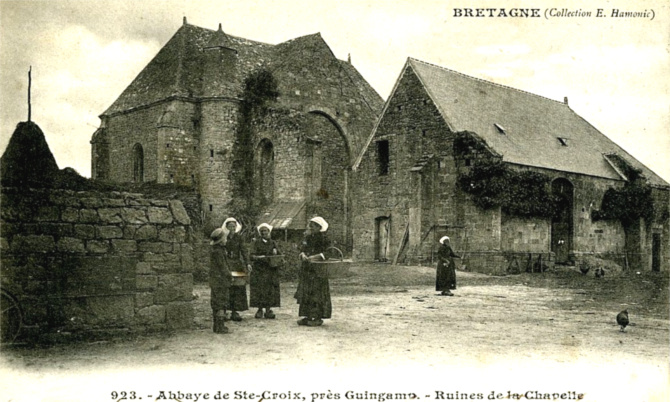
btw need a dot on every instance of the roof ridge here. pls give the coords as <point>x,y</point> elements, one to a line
<point>302,37</point>
<point>233,36</point>
<point>487,81</point>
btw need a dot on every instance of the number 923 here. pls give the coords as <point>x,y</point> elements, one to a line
<point>119,396</point>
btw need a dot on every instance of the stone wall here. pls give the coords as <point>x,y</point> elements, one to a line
<point>218,125</point>
<point>420,175</point>
<point>88,261</point>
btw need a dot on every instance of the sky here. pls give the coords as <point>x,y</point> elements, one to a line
<point>83,54</point>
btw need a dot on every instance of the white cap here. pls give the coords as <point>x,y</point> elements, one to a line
<point>321,222</point>
<point>264,225</point>
<point>238,227</point>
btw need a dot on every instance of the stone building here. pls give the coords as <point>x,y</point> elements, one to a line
<point>177,123</point>
<point>439,126</point>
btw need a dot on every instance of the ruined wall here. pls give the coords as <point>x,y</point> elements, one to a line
<point>284,129</point>
<point>218,124</point>
<point>310,164</point>
<point>86,261</point>
<point>310,78</point>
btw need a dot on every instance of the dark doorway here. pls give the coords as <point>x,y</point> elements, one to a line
<point>561,222</point>
<point>656,252</point>
<point>382,232</point>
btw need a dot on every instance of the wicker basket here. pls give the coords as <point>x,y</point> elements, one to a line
<point>332,268</point>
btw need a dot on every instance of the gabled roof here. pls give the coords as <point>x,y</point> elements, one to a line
<point>524,128</point>
<point>177,69</point>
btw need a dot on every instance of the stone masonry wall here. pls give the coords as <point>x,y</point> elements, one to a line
<point>421,175</point>
<point>123,132</point>
<point>88,261</point>
<point>218,125</point>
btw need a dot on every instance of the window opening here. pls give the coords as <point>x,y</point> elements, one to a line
<point>383,157</point>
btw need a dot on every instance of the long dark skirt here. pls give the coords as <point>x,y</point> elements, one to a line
<point>313,292</point>
<point>238,298</point>
<point>446,276</point>
<point>264,287</point>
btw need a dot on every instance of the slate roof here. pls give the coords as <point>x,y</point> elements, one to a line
<point>177,69</point>
<point>285,215</point>
<point>524,128</point>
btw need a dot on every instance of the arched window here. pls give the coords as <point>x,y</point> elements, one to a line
<point>265,157</point>
<point>138,163</point>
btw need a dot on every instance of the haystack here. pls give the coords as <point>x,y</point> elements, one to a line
<point>28,161</point>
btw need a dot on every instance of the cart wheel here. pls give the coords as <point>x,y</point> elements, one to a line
<point>12,317</point>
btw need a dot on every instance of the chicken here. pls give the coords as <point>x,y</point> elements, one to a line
<point>622,320</point>
<point>584,269</point>
<point>600,272</point>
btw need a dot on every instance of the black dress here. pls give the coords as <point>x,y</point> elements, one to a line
<point>446,269</point>
<point>264,279</point>
<point>219,278</point>
<point>237,262</point>
<point>313,292</point>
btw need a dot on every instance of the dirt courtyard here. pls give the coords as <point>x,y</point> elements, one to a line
<point>390,317</point>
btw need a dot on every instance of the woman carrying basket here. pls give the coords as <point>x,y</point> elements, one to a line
<point>264,281</point>
<point>239,267</point>
<point>313,292</point>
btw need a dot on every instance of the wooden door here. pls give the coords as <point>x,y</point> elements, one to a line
<point>383,227</point>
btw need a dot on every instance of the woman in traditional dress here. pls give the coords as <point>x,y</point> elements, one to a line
<point>313,292</point>
<point>264,281</point>
<point>239,267</point>
<point>446,268</point>
<point>219,281</point>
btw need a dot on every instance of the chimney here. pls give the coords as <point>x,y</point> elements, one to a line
<point>185,20</point>
<point>349,58</point>
<point>565,100</point>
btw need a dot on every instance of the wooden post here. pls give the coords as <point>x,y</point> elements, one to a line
<point>29,83</point>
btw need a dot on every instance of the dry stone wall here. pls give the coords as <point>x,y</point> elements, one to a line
<point>89,261</point>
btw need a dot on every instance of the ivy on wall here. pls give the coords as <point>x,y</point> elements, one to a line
<point>260,88</point>
<point>491,183</point>
<point>630,203</point>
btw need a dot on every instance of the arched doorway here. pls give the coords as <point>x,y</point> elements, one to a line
<point>265,171</point>
<point>327,171</point>
<point>562,221</point>
<point>138,163</point>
